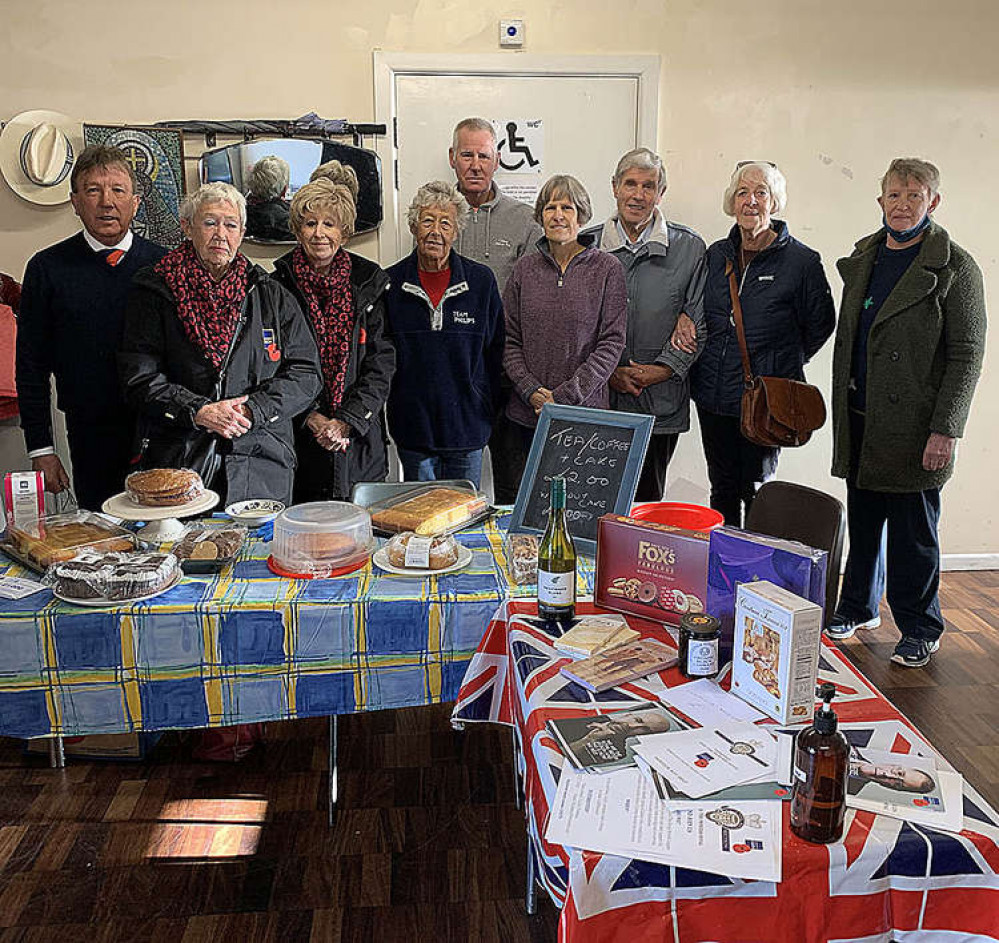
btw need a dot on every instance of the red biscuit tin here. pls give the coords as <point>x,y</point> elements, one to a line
<point>656,571</point>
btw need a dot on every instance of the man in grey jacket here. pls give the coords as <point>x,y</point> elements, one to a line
<point>498,231</point>
<point>664,266</point>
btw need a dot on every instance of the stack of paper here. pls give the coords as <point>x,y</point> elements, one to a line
<point>698,763</point>
<point>906,786</point>
<point>599,743</point>
<point>620,814</point>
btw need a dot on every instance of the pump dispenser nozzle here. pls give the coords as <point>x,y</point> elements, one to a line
<point>825,719</point>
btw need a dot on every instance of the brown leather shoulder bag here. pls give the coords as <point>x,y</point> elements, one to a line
<point>776,411</point>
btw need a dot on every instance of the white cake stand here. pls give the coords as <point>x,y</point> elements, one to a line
<point>163,523</point>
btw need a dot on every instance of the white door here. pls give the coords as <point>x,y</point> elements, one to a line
<point>574,115</point>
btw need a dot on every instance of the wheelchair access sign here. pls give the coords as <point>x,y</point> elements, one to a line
<point>520,143</point>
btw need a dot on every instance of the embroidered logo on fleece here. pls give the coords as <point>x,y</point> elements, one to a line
<point>463,317</point>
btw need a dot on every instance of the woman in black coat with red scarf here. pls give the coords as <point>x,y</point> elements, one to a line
<point>216,357</point>
<point>341,440</point>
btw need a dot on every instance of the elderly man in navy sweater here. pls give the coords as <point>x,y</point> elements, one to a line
<point>70,324</point>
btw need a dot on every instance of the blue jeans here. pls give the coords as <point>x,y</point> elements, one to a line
<point>432,466</point>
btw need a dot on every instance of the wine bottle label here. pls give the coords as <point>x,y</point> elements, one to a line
<point>702,657</point>
<point>556,589</point>
<point>418,552</point>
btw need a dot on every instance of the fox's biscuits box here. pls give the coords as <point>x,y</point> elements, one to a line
<point>656,571</point>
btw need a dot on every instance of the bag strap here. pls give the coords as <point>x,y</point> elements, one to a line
<point>733,290</point>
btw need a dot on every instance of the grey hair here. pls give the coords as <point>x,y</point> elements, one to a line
<point>641,158</point>
<point>437,193</point>
<point>920,170</point>
<point>774,179</point>
<point>269,177</point>
<point>217,192</point>
<point>472,124</point>
<point>563,185</point>
<point>322,196</point>
<point>335,172</point>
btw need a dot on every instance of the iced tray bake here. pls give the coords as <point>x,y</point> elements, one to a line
<point>429,512</point>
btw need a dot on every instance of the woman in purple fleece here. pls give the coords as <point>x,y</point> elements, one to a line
<point>566,308</point>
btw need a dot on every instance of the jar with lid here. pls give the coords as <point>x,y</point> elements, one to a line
<point>700,635</point>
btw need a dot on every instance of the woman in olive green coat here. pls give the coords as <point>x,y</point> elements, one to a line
<point>907,357</point>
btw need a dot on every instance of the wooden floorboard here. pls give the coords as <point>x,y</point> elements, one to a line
<point>428,844</point>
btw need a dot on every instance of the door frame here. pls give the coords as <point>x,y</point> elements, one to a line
<point>387,65</point>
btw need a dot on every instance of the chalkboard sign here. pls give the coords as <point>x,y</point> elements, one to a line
<point>600,455</point>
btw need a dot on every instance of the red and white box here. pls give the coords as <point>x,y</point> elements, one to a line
<point>24,498</point>
<point>656,571</point>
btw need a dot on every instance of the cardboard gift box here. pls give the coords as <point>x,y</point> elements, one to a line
<point>656,571</point>
<point>737,556</point>
<point>776,658</point>
<point>99,746</point>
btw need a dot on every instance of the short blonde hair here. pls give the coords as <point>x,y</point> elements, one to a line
<point>773,178</point>
<point>437,193</point>
<point>563,185</point>
<point>324,197</point>
<point>269,177</point>
<point>207,193</point>
<point>336,172</point>
<point>922,171</point>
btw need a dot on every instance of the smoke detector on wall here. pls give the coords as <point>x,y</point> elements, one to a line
<point>511,33</point>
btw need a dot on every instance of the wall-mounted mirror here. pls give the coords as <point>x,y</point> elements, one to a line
<point>267,215</point>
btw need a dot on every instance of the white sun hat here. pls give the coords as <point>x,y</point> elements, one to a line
<point>37,151</point>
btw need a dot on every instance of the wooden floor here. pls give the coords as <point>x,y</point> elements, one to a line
<point>428,845</point>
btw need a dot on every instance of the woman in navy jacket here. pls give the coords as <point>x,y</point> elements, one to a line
<point>446,322</point>
<point>788,313</point>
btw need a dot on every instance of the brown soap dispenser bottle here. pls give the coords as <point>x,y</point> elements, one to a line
<point>821,765</point>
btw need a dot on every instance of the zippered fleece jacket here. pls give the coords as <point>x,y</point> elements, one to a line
<point>565,330</point>
<point>446,387</point>
<point>498,233</point>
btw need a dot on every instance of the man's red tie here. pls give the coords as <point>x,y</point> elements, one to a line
<point>113,256</point>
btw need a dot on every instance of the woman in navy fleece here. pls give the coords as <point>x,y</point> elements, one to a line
<point>446,321</point>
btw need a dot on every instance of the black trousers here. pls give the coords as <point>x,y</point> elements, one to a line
<point>505,442</point>
<point>908,562</point>
<point>101,454</point>
<point>652,481</point>
<point>736,466</point>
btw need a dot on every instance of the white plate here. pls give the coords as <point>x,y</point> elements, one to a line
<point>121,505</point>
<point>381,561</point>
<point>255,512</point>
<point>101,603</point>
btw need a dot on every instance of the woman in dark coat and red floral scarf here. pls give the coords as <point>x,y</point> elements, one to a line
<point>217,358</point>
<point>341,440</point>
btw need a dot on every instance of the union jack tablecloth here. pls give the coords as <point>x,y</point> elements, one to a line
<point>886,880</point>
<point>246,645</point>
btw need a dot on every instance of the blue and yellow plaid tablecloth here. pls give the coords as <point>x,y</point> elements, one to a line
<point>246,645</point>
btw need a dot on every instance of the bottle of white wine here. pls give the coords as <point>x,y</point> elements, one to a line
<point>557,563</point>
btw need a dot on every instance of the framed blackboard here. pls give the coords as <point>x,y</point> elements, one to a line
<point>599,453</point>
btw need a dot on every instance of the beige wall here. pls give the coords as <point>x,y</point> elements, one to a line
<point>830,91</point>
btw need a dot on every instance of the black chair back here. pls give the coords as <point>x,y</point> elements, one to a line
<point>794,512</point>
